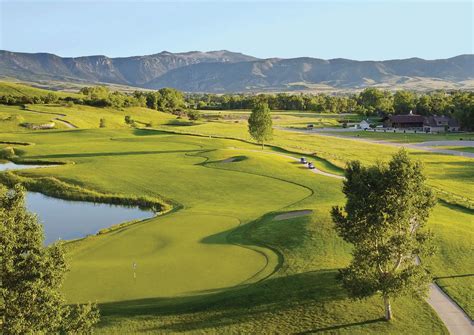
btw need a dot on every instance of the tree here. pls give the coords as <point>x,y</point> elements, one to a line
<point>423,105</point>
<point>193,115</point>
<point>375,101</point>
<point>32,274</point>
<point>464,109</point>
<point>169,99</point>
<point>128,120</point>
<point>260,123</point>
<point>404,102</point>
<point>384,217</point>
<point>102,123</point>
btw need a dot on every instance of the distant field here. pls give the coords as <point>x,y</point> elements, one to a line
<point>18,89</point>
<point>465,149</point>
<point>405,137</point>
<point>11,118</point>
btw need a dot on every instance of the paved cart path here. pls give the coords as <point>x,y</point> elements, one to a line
<point>426,146</point>
<point>454,318</point>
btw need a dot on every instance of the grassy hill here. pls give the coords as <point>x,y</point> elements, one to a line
<point>19,89</point>
<point>220,263</point>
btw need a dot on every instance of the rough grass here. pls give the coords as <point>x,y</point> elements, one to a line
<point>17,89</point>
<point>11,118</point>
<point>390,136</point>
<point>194,267</point>
<point>450,175</point>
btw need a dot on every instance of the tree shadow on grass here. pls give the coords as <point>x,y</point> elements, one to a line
<point>343,326</point>
<point>148,132</point>
<point>105,154</point>
<point>240,304</point>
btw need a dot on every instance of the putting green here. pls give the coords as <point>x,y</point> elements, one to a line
<point>178,254</point>
<point>181,253</point>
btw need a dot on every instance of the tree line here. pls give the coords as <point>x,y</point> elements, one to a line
<point>369,102</point>
<point>165,99</point>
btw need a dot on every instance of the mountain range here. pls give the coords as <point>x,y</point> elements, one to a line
<point>225,71</point>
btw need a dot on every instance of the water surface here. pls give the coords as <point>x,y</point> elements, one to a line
<point>63,219</point>
<point>13,166</point>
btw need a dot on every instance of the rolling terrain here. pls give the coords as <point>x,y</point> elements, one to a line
<point>223,260</point>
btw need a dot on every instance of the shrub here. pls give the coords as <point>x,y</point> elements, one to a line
<point>7,153</point>
<point>193,115</point>
<point>128,119</point>
<point>102,123</point>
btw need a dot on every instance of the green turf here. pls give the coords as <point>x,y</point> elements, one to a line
<point>195,266</point>
<point>221,264</point>
<point>11,118</point>
<point>464,149</point>
<point>18,89</point>
<point>390,136</point>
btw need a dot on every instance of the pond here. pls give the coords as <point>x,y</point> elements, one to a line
<point>14,166</point>
<point>64,219</point>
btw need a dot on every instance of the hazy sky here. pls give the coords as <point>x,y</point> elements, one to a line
<point>324,29</point>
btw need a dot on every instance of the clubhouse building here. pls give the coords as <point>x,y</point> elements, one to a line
<point>428,124</point>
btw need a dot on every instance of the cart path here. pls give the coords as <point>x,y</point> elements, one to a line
<point>425,146</point>
<point>315,170</point>
<point>66,123</point>
<point>454,318</point>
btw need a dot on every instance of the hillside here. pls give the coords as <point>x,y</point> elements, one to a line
<point>224,71</point>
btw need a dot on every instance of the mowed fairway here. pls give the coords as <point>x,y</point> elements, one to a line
<point>220,263</point>
<point>180,253</point>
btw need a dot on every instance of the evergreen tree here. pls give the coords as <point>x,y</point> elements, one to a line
<point>31,276</point>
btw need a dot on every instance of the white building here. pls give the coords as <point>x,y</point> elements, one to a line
<point>363,125</point>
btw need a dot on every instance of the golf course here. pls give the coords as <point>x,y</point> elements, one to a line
<point>241,240</point>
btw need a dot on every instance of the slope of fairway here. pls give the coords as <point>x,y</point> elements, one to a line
<point>11,118</point>
<point>170,260</point>
<point>451,175</point>
<point>170,165</point>
<point>18,89</point>
<point>89,117</point>
<point>452,264</point>
<point>194,266</point>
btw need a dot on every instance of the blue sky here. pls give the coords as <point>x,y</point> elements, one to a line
<point>363,30</point>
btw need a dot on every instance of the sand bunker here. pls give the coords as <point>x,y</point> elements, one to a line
<point>291,215</point>
<point>229,160</point>
<point>234,159</point>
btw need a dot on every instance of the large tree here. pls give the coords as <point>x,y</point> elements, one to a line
<point>31,276</point>
<point>375,101</point>
<point>384,219</point>
<point>404,102</point>
<point>260,123</point>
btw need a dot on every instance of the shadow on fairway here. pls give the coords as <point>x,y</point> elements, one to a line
<point>347,325</point>
<point>148,132</point>
<point>119,153</point>
<point>234,306</point>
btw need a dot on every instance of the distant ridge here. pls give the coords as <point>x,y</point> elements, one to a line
<point>225,71</point>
